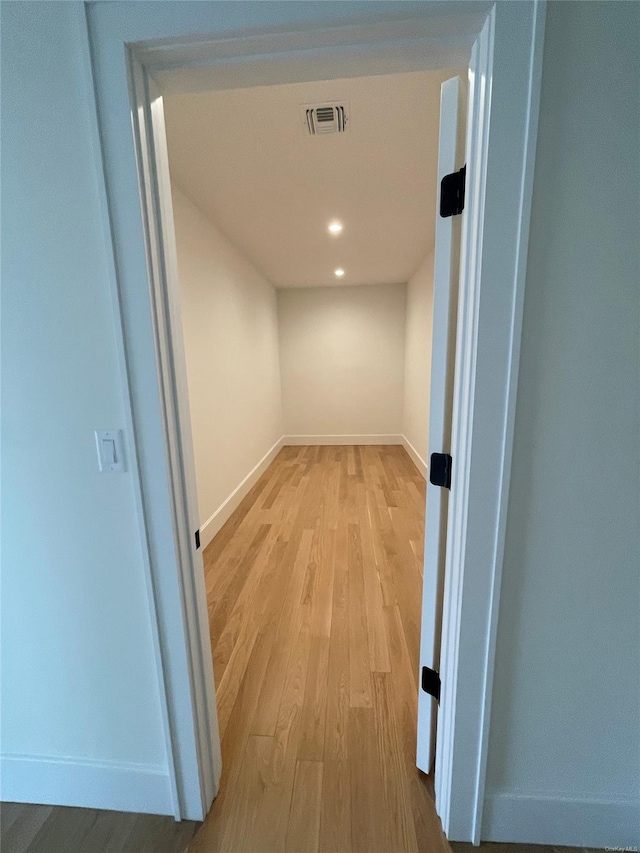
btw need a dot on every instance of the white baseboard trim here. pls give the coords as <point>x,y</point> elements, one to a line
<point>571,823</point>
<point>297,440</point>
<point>89,784</point>
<point>215,522</point>
<point>417,460</point>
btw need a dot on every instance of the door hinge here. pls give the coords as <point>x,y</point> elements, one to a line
<point>431,682</point>
<point>197,539</point>
<point>452,193</point>
<point>440,470</point>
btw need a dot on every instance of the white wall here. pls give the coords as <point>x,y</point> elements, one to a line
<point>564,756</point>
<point>342,360</point>
<point>81,717</point>
<point>417,368</point>
<point>230,324</point>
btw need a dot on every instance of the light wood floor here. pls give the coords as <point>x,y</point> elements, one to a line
<point>314,600</point>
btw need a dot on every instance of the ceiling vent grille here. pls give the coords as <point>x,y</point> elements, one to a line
<point>331,117</point>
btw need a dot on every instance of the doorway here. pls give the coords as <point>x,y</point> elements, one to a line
<point>313,559</point>
<point>495,256</point>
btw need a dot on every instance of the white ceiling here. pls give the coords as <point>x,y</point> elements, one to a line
<point>246,159</point>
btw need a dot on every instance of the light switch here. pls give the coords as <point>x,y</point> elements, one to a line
<point>110,444</point>
<point>109,454</point>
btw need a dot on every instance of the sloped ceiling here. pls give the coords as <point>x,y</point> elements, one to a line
<point>245,158</point>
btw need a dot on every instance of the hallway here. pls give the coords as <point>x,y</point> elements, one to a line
<point>313,590</point>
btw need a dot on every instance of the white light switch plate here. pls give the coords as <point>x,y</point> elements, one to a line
<point>110,446</point>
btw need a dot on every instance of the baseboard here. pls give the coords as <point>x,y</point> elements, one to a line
<point>297,440</point>
<point>417,460</point>
<point>215,522</point>
<point>89,784</point>
<point>571,823</point>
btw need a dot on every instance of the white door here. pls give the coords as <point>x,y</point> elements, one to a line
<point>445,293</point>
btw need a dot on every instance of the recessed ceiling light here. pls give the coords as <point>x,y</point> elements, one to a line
<point>339,272</point>
<point>335,227</point>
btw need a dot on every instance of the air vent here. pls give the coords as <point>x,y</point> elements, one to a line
<point>329,117</point>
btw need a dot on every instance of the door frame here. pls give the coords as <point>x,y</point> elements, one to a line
<point>503,109</point>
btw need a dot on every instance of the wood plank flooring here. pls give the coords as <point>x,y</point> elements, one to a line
<point>27,828</point>
<point>314,591</point>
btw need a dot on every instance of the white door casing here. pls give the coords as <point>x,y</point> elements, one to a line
<point>282,40</point>
<point>157,209</point>
<point>201,653</point>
